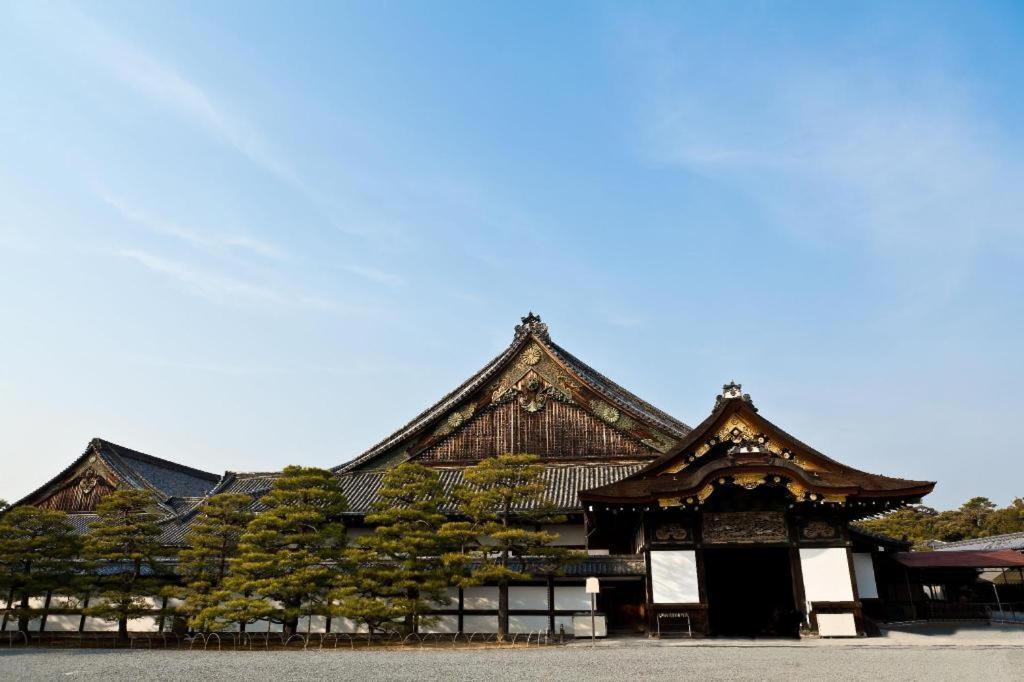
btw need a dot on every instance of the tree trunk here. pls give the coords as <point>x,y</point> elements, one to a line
<point>23,616</point>
<point>122,629</point>
<point>291,626</point>
<point>502,610</point>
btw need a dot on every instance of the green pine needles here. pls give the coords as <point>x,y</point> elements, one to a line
<point>124,545</point>
<point>290,553</point>
<point>500,540</point>
<point>395,573</point>
<point>39,553</point>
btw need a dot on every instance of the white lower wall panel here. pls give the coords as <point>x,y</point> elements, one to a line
<point>63,622</point>
<point>317,624</point>
<point>447,624</point>
<point>581,626</point>
<point>143,624</point>
<point>674,577</point>
<point>527,623</point>
<point>836,625</point>
<point>346,625</point>
<point>99,625</point>
<point>479,623</point>
<point>826,572</point>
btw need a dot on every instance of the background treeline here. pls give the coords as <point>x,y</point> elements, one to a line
<point>287,556</point>
<point>978,517</point>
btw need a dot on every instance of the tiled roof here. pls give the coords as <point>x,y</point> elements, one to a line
<point>563,483</point>
<point>170,478</point>
<point>1014,541</point>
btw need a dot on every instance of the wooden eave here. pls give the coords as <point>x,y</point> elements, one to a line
<point>683,472</point>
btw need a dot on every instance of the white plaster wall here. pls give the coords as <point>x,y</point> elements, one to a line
<point>346,625</point>
<point>480,597</point>
<point>479,624</point>
<point>581,626</point>
<point>571,598</point>
<point>837,625</point>
<point>62,622</point>
<point>527,623</point>
<point>674,576</point>
<point>318,624</point>
<point>453,600</point>
<point>528,597</point>
<point>826,572</point>
<point>864,571</point>
<point>447,624</point>
<point>93,624</point>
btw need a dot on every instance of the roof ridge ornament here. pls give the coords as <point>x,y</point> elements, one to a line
<point>733,391</point>
<point>531,324</point>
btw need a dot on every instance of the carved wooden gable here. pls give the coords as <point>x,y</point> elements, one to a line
<point>538,406</point>
<point>558,431</point>
<point>82,489</point>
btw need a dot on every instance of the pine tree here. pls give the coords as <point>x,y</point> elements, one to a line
<point>289,553</point>
<point>211,544</point>
<point>503,501</point>
<point>38,553</point>
<point>125,544</point>
<point>396,571</point>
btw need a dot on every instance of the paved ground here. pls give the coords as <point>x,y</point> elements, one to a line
<point>934,653</point>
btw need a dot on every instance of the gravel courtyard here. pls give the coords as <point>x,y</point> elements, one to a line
<point>556,663</point>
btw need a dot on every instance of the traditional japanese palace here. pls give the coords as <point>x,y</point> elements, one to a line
<point>733,526</point>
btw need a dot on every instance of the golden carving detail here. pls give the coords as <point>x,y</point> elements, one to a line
<point>796,489</point>
<point>819,530</point>
<point>748,481</point>
<point>532,355</point>
<point>705,492</point>
<point>671,532</point>
<point>454,420</point>
<point>605,411</point>
<point>744,527</point>
<point>669,502</point>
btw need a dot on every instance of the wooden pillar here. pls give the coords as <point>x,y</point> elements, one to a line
<point>797,572</point>
<point>551,604</point>
<point>461,610</point>
<point>858,616</point>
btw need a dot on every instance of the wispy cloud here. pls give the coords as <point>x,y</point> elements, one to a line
<point>161,82</point>
<point>375,275</point>
<point>904,160</point>
<point>196,238</point>
<point>211,286</point>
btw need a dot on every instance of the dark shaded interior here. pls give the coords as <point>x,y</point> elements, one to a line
<point>623,604</point>
<point>750,592</point>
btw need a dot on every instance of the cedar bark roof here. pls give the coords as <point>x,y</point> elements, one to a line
<point>662,428</point>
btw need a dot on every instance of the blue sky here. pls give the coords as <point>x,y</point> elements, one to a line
<point>241,235</point>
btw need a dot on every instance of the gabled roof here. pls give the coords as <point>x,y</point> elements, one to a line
<point>735,439</point>
<point>1012,541</point>
<point>592,390</point>
<point>137,470</point>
